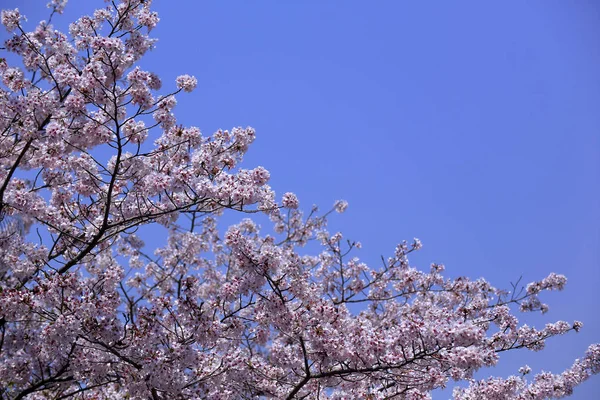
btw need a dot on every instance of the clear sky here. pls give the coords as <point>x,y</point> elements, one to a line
<point>474,126</point>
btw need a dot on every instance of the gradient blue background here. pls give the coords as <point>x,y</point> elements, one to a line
<point>474,126</point>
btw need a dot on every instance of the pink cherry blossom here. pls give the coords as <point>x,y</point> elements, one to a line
<point>186,82</point>
<point>92,154</point>
<point>10,19</point>
<point>289,200</point>
<point>340,206</point>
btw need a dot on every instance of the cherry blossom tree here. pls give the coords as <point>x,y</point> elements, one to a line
<point>90,152</point>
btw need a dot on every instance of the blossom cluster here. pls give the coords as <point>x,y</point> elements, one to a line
<point>91,152</point>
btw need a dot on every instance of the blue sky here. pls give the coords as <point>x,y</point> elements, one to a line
<point>474,126</point>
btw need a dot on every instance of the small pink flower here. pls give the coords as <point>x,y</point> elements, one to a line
<point>290,200</point>
<point>340,206</point>
<point>186,82</point>
<point>10,19</point>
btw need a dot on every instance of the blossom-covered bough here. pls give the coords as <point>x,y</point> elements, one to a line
<point>89,153</point>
